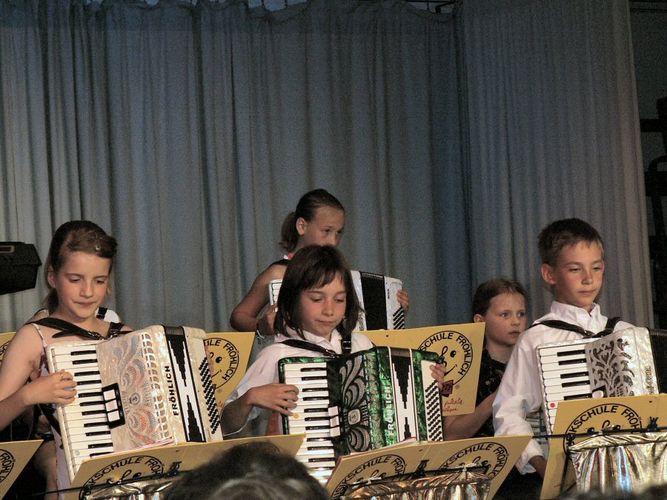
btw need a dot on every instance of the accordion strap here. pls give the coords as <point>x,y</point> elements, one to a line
<point>49,414</point>
<point>309,346</point>
<point>562,325</point>
<point>66,328</point>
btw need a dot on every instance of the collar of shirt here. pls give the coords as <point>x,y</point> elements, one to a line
<point>334,345</point>
<point>593,321</point>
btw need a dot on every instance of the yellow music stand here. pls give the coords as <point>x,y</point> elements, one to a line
<point>14,456</point>
<point>496,454</point>
<point>114,467</point>
<point>229,354</point>
<point>5,338</point>
<point>461,348</point>
<point>581,415</point>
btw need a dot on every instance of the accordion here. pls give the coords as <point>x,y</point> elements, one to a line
<point>361,402</point>
<point>377,295</point>
<point>145,388</point>
<point>629,362</point>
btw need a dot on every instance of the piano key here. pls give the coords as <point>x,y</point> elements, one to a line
<point>564,372</point>
<point>304,383</point>
<point>92,450</point>
<point>91,409</point>
<point>551,364</point>
<point>74,421</point>
<point>323,447</point>
<point>298,427</point>
<point>75,430</point>
<point>320,462</point>
<point>565,382</point>
<point>80,441</point>
<point>312,393</point>
<point>317,435</point>
<point>300,367</point>
<point>89,379</point>
<point>313,413</point>
<point>563,391</point>
<point>317,452</point>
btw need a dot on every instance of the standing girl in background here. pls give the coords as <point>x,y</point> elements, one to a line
<point>319,219</point>
<point>78,269</point>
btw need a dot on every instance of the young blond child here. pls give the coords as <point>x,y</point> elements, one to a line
<point>78,271</point>
<point>572,254</point>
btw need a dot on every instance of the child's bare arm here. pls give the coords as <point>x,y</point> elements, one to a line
<point>246,315</point>
<point>539,463</point>
<point>281,398</point>
<point>403,299</point>
<point>56,388</point>
<point>465,426</point>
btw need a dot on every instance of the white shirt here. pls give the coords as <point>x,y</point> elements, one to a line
<point>264,369</point>
<point>520,390</point>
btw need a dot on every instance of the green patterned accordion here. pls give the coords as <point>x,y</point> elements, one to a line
<point>361,402</point>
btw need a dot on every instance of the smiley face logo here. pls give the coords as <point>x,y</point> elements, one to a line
<point>455,352</point>
<point>448,357</point>
<point>223,359</point>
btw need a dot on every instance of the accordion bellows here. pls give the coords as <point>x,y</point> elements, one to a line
<point>627,362</point>
<point>144,405</point>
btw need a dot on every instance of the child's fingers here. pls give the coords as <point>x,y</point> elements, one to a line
<point>292,388</point>
<point>66,397</point>
<point>65,380</point>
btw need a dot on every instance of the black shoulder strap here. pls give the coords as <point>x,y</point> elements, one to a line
<point>609,327</point>
<point>66,328</point>
<point>101,312</point>
<point>346,343</point>
<point>49,414</point>
<point>562,325</point>
<point>115,329</point>
<point>309,346</point>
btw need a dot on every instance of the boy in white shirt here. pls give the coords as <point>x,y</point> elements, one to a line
<point>572,255</point>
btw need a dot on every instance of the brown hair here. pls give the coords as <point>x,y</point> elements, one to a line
<point>311,267</point>
<point>564,233</point>
<point>486,291</point>
<point>75,236</point>
<point>306,208</point>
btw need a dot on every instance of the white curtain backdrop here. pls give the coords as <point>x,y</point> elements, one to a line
<point>189,131</point>
<point>554,133</point>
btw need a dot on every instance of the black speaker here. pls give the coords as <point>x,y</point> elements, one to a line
<point>18,266</point>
